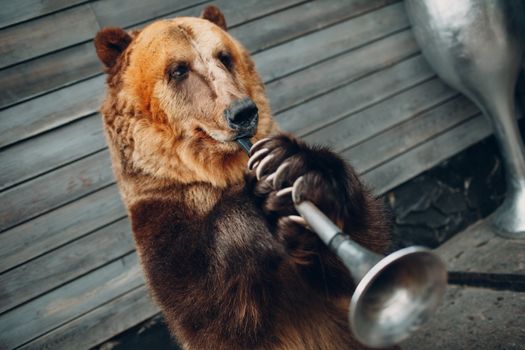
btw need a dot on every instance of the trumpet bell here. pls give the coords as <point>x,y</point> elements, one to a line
<point>396,296</point>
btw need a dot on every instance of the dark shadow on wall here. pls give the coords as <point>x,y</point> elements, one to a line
<point>434,206</point>
<point>149,335</point>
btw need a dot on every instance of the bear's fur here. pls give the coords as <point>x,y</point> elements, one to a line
<point>225,261</point>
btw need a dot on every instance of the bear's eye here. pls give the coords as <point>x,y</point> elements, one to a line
<point>179,72</point>
<point>226,59</point>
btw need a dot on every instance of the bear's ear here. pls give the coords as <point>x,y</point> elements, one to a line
<point>110,43</point>
<point>214,15</point>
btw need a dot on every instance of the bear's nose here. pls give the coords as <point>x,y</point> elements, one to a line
<point>242,116</point>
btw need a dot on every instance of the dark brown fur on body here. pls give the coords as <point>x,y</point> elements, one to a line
<point>227,266</point>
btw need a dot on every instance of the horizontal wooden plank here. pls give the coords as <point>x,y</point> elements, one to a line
<point>318,112</point>
<point>58,69</point>
<point>239,12</point>
<point>402,137</point>
<point>58,227</point>
<point>359,126</point>
<point>124,13</point>
<point>236,13</point>
<point>439,147</point>
<point>22,10</point>
<point>51,150</point>
<point>99,324</point>
<point>46,34</point>
<point>299,20</point>
<point>423,157</point>
<point>51,110</point>
<point>64,264</point>
<point>54,189</point>
<point>72,300</point>
<point>340,70</point>
<point>304,51</point>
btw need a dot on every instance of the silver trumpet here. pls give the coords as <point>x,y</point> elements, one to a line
<point>477,46</point>
<point>395,294</point>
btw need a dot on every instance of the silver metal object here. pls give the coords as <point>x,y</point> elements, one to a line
<point>245,143</point>
<point>395,294</point>
<point>477,47</point>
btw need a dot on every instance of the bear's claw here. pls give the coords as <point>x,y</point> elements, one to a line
<point>258,144</point>
<point>284,191</point>
<point>255,157</point>
<point>279,174</point>
<point>261,166</point>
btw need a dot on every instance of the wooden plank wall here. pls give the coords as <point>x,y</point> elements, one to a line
<point>346,73</point>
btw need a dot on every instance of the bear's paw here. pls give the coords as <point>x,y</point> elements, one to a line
<point>276,163</point>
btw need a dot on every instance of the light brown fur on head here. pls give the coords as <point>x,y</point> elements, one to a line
<point>175,130</point>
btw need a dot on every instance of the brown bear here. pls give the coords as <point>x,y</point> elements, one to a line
<point>225,255</point>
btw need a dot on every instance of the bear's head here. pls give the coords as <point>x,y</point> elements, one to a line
<point>180,92</point>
